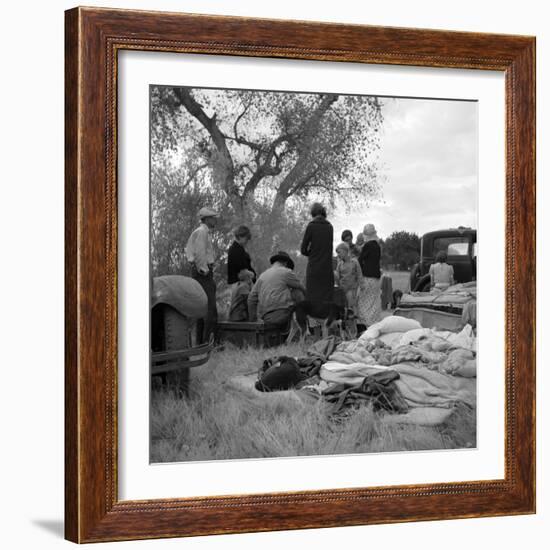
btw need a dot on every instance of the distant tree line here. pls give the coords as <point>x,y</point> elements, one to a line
<point>400,251</point>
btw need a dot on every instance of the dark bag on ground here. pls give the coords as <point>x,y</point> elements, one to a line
<point>278,373</point>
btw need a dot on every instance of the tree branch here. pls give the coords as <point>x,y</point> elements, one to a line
<point>191,176</point>
<point>303,181</point>
<point>183,95</point>
<point>296,174</point>
<point>195,109</point>
<point>238,119</point>
<point>266,167</point>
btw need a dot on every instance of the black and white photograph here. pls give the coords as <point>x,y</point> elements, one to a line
<point>241,267</point>
<point>313,266</point>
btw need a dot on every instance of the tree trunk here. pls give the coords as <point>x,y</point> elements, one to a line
<point>224,168</point>
<point>278,210</point>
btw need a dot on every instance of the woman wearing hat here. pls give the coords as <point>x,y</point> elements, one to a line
<point>238,258</point>
<point>240,274</point>
<point>368,301</point>
<point>317,246</point>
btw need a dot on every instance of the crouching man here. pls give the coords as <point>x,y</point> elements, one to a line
<point>275,293</point>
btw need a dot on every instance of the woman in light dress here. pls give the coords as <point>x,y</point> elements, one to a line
<point>441,273</point>
<point>368,300</point>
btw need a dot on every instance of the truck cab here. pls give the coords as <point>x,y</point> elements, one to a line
<point>459,243</point>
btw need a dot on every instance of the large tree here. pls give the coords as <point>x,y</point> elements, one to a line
<point>258,155</point>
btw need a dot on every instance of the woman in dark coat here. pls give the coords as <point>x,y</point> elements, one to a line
<point>317,246</point>
<point>238,259</point>
<point>240,275</point>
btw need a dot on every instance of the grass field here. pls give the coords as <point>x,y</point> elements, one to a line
<point>400,280</point>
<point>220,421</point>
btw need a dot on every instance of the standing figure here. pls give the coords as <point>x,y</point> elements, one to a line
<point>240,274</point>
<point>348,275</point>
<point>347,237</point>
<point>238,259</point>
<point>386,292</point>
<point>199,251</point>
<point>359,244</point>
<point>368,302</point>
<point>317,246</point>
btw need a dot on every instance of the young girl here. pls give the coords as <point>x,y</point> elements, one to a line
<point>441,273</point>
<point>348,274</point>
<point>238,310</point>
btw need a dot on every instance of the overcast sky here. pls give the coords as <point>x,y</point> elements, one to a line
<point>428,156</point>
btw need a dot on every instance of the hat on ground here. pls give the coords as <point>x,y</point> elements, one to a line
<point>206,212</point>
<point>369,231</point>
<point>283,257</point>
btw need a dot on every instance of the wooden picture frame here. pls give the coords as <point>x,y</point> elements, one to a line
<point>93,511</point>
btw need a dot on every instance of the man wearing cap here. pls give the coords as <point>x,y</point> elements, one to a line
<point>200,253</point>
<point>275,293</point>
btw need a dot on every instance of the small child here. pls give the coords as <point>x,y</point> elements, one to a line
<point>238,310</point>
<point>348,274</point>
<point>441,273</point>
<point>358,245</point>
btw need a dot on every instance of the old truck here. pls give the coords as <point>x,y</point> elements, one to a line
<point>455,306</point>
<point>459,243</point>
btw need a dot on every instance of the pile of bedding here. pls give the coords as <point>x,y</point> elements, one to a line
<point>449,309</point>
<point>456,295</point>
<point>416,374</point>
<point>436,369</point>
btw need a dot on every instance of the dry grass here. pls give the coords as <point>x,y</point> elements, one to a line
<point>220,421</point>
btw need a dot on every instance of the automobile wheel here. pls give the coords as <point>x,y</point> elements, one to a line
<point>177,334</point>
<point>413,278</point>
<point>423,284</point>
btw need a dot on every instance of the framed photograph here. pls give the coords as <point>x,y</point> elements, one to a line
<point>300,275</point>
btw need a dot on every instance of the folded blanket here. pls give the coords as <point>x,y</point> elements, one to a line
<point>419,386</point>
<point>354,357</point>
<point>422,387</point>
<point>343,373</point>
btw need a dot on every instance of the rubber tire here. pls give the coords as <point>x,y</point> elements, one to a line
<point>423,284</point>
<point>413,277</point>
<point>172,331</point>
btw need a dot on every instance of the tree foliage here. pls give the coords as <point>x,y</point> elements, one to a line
<point>259,158</point>
<point>401,250</point>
